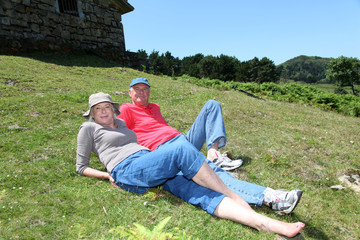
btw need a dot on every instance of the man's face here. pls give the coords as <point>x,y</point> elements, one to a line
<point>140,94</point>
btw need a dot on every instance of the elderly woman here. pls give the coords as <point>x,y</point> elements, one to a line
<point>180,168</point>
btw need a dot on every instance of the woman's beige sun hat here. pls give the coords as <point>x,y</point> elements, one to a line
<point>99,98</point>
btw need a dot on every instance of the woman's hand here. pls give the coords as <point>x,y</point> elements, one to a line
<point>90,172</point>
<point>112,181</point>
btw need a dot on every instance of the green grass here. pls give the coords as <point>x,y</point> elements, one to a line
<point>325,86</point>
<point>283,145</point>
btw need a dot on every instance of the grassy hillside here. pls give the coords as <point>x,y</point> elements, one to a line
<point>42,98</point>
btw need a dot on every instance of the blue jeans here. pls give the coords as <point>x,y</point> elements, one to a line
<point>195,194</point>
<point>173,166</point>
<point>208,126</point>
<point>145,169</point>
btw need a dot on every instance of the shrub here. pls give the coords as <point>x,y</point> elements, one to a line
<point>291,92</point>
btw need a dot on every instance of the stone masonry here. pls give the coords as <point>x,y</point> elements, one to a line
<point>39,25</point>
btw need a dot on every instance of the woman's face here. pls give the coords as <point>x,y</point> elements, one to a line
<point>103,114</point>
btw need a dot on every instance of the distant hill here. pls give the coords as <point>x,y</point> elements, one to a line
<point>304,68</point>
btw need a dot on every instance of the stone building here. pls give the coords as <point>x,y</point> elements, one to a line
<point>64,25</point>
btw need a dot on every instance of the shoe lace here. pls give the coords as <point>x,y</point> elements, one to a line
<point>218,161</point>
<point>225,158</point>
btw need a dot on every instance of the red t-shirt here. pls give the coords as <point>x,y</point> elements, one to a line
<point>147,122</point>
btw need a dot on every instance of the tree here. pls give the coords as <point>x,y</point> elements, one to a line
<point>267,71</point>
<point>207,66</point>
<point>226,68</point>
<point>258,71</point>
<point>155,63</point>
<point>189,65</point>
<point>143,58</point>
<point>344,71</point>
<point>243,72</point>
<point>170,65</point>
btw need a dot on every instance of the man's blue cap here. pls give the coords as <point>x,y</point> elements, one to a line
<point>139,80</point>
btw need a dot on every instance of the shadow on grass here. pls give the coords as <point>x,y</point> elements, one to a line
<point>310,231</point>
<point>314,233</point>
<point>79,59</point>
<point>246,159</point>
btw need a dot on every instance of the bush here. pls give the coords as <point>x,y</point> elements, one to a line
<point>340,91</point>
<point>291,92</point>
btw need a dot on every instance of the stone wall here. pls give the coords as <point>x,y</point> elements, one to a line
<point>38,25</point>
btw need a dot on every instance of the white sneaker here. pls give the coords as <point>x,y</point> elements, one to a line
<point>226,163</point>
<point>281,201</point>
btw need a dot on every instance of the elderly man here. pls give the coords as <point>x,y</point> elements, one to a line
<point>152,131</point>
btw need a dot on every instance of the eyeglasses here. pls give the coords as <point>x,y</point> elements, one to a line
<point>137,89</point>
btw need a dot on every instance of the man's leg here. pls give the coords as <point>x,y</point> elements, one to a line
<point>251,193</point>
<point>208,126</point>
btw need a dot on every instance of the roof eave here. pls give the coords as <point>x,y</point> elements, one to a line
<point>122,5</point>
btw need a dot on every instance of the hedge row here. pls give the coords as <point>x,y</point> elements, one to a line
<point>290,92</point>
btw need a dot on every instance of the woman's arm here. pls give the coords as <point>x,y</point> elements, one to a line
<point>83,151</point>
<point>90,172</point>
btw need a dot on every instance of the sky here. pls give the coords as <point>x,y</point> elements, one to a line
<point>277,29</point>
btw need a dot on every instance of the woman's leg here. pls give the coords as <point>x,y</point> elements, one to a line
<point>195,194</point>
<point>221,206</point>
<point>230,209</point>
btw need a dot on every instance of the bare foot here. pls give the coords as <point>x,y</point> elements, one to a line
<point>286,229</point>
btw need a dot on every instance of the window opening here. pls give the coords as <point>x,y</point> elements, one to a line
<point>68,7</point>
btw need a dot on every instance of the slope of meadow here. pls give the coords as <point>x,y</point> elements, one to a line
<point>283,145</point>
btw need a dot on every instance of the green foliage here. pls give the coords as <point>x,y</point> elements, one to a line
<point>258,71</point>
<point>221,67</point>
<point>190,65</point>
<point>292,92</point>
<point>305,69</point>
<point>344,71</point>
<point>340,91</point>
<point>140,232</point>
<point>158,64</point>
<point>207,67</point>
